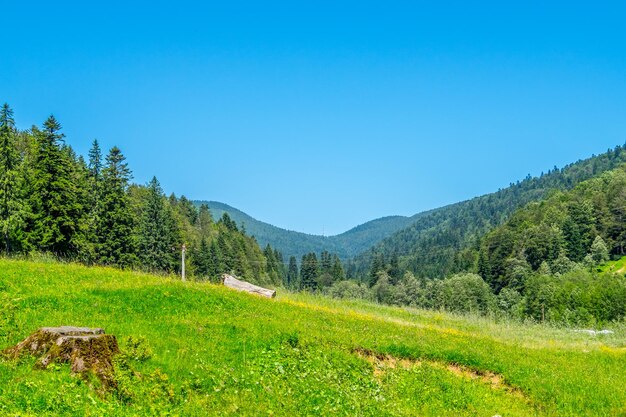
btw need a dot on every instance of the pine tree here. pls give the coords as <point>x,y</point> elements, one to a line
<point>158,241</point>
<point>378,264</point>
<point>325,262</point>
<point>271,263</point>
<point>93,192</point>
<point>214,262</point>
<point>280,266</point>
<point>226,263</point>
<point>187,208</point>
<point>202,259</point>
<point>205,220</point>
<point>337,270</point>
<point>309,271</point>
<point>95,169</point>
<point>10,203</point>
<point>292,273</point>
<point>53,197</point>
<point>115,243</point>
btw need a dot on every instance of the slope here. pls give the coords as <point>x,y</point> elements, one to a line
<point>199,349</point>
<point>559,230</point>
<point>445,240</point>
<point>346,245</point>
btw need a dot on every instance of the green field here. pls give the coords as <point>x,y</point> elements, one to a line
<point>216,352</point>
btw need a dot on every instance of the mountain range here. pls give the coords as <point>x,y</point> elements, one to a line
<point>291,243</point>
<point>433,243</point>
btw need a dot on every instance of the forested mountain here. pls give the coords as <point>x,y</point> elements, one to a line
<point>584,225</point>
<point>291,243</point>
<point>444,241</point>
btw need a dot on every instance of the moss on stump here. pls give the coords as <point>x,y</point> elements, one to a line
<point>86,350</point>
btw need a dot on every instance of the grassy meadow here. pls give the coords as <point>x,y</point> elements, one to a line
<point>196,349</point>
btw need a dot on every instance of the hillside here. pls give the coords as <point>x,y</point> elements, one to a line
<point>445,240</point>
<point>583,225</point>
<point>291,243</point>
<point>206,350</point>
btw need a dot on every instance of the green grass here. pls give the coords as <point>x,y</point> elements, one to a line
<point>618,266</point>
<point>219,352</point>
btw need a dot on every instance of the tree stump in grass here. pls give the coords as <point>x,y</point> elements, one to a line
<point>86,350</point>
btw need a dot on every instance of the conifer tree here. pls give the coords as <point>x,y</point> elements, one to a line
<point>53,197</point>
<point>226,263</point>
<point>205,220</point>
<point>158,240</point>
<point>214,262</point>
<point>187,208</point>
<point>228,222</point>
<point>10,202</point>
<point>201,259</point>
<point>280,265</point>
<point>292,273</point>
<point>337,270</point>
<point>325,262</point>
<point>115,243</point>
<point>271,263</point>
<point>309,271</point>
<point>95,170</point>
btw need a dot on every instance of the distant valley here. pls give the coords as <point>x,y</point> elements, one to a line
<point>291,243</point>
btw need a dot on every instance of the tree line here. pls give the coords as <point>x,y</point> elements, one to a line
<point>87,210</point>
<point>545,262</point>
<point>445,241</point>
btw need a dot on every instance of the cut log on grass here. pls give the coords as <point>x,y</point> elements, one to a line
<point>236,284</point>
<point>86,350</point>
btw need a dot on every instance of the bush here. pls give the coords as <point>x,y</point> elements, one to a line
<point>466,293</point>
<point>349,289</point>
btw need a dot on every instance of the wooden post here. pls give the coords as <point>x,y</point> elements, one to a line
<point>183,264</point>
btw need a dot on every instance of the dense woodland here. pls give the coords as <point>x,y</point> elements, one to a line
<point>446,241</point>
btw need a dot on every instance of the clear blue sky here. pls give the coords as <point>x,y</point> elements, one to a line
<point>317,116</point>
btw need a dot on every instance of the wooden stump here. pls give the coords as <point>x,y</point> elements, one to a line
<point>86,350</point>
<point>234,283</point>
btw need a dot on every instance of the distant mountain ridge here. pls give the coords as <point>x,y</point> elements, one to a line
<point>445,241</point>
<point>292,243</point>
<point>433,243</point>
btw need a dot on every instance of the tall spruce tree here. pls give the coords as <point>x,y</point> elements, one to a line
<point>115,241</point>
<point>292,273</point>
<point>53,197</point>
<point>214,262</point>
<point>309,271</point>
<point>158,240</point>
<point>201,259</point>
<point>271,263</point>
<point>337,270</point>
<point>10,201</point>
<point>205,220</point>
<point>95,171</point>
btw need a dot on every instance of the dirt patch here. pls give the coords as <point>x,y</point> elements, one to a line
<point>383,362</point>
<point>88,351</point>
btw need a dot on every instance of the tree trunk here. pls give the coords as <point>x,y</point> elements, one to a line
<point>234,283</point>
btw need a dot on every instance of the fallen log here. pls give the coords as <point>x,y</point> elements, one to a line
<point>86,350</point>
<point>236,284</point>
